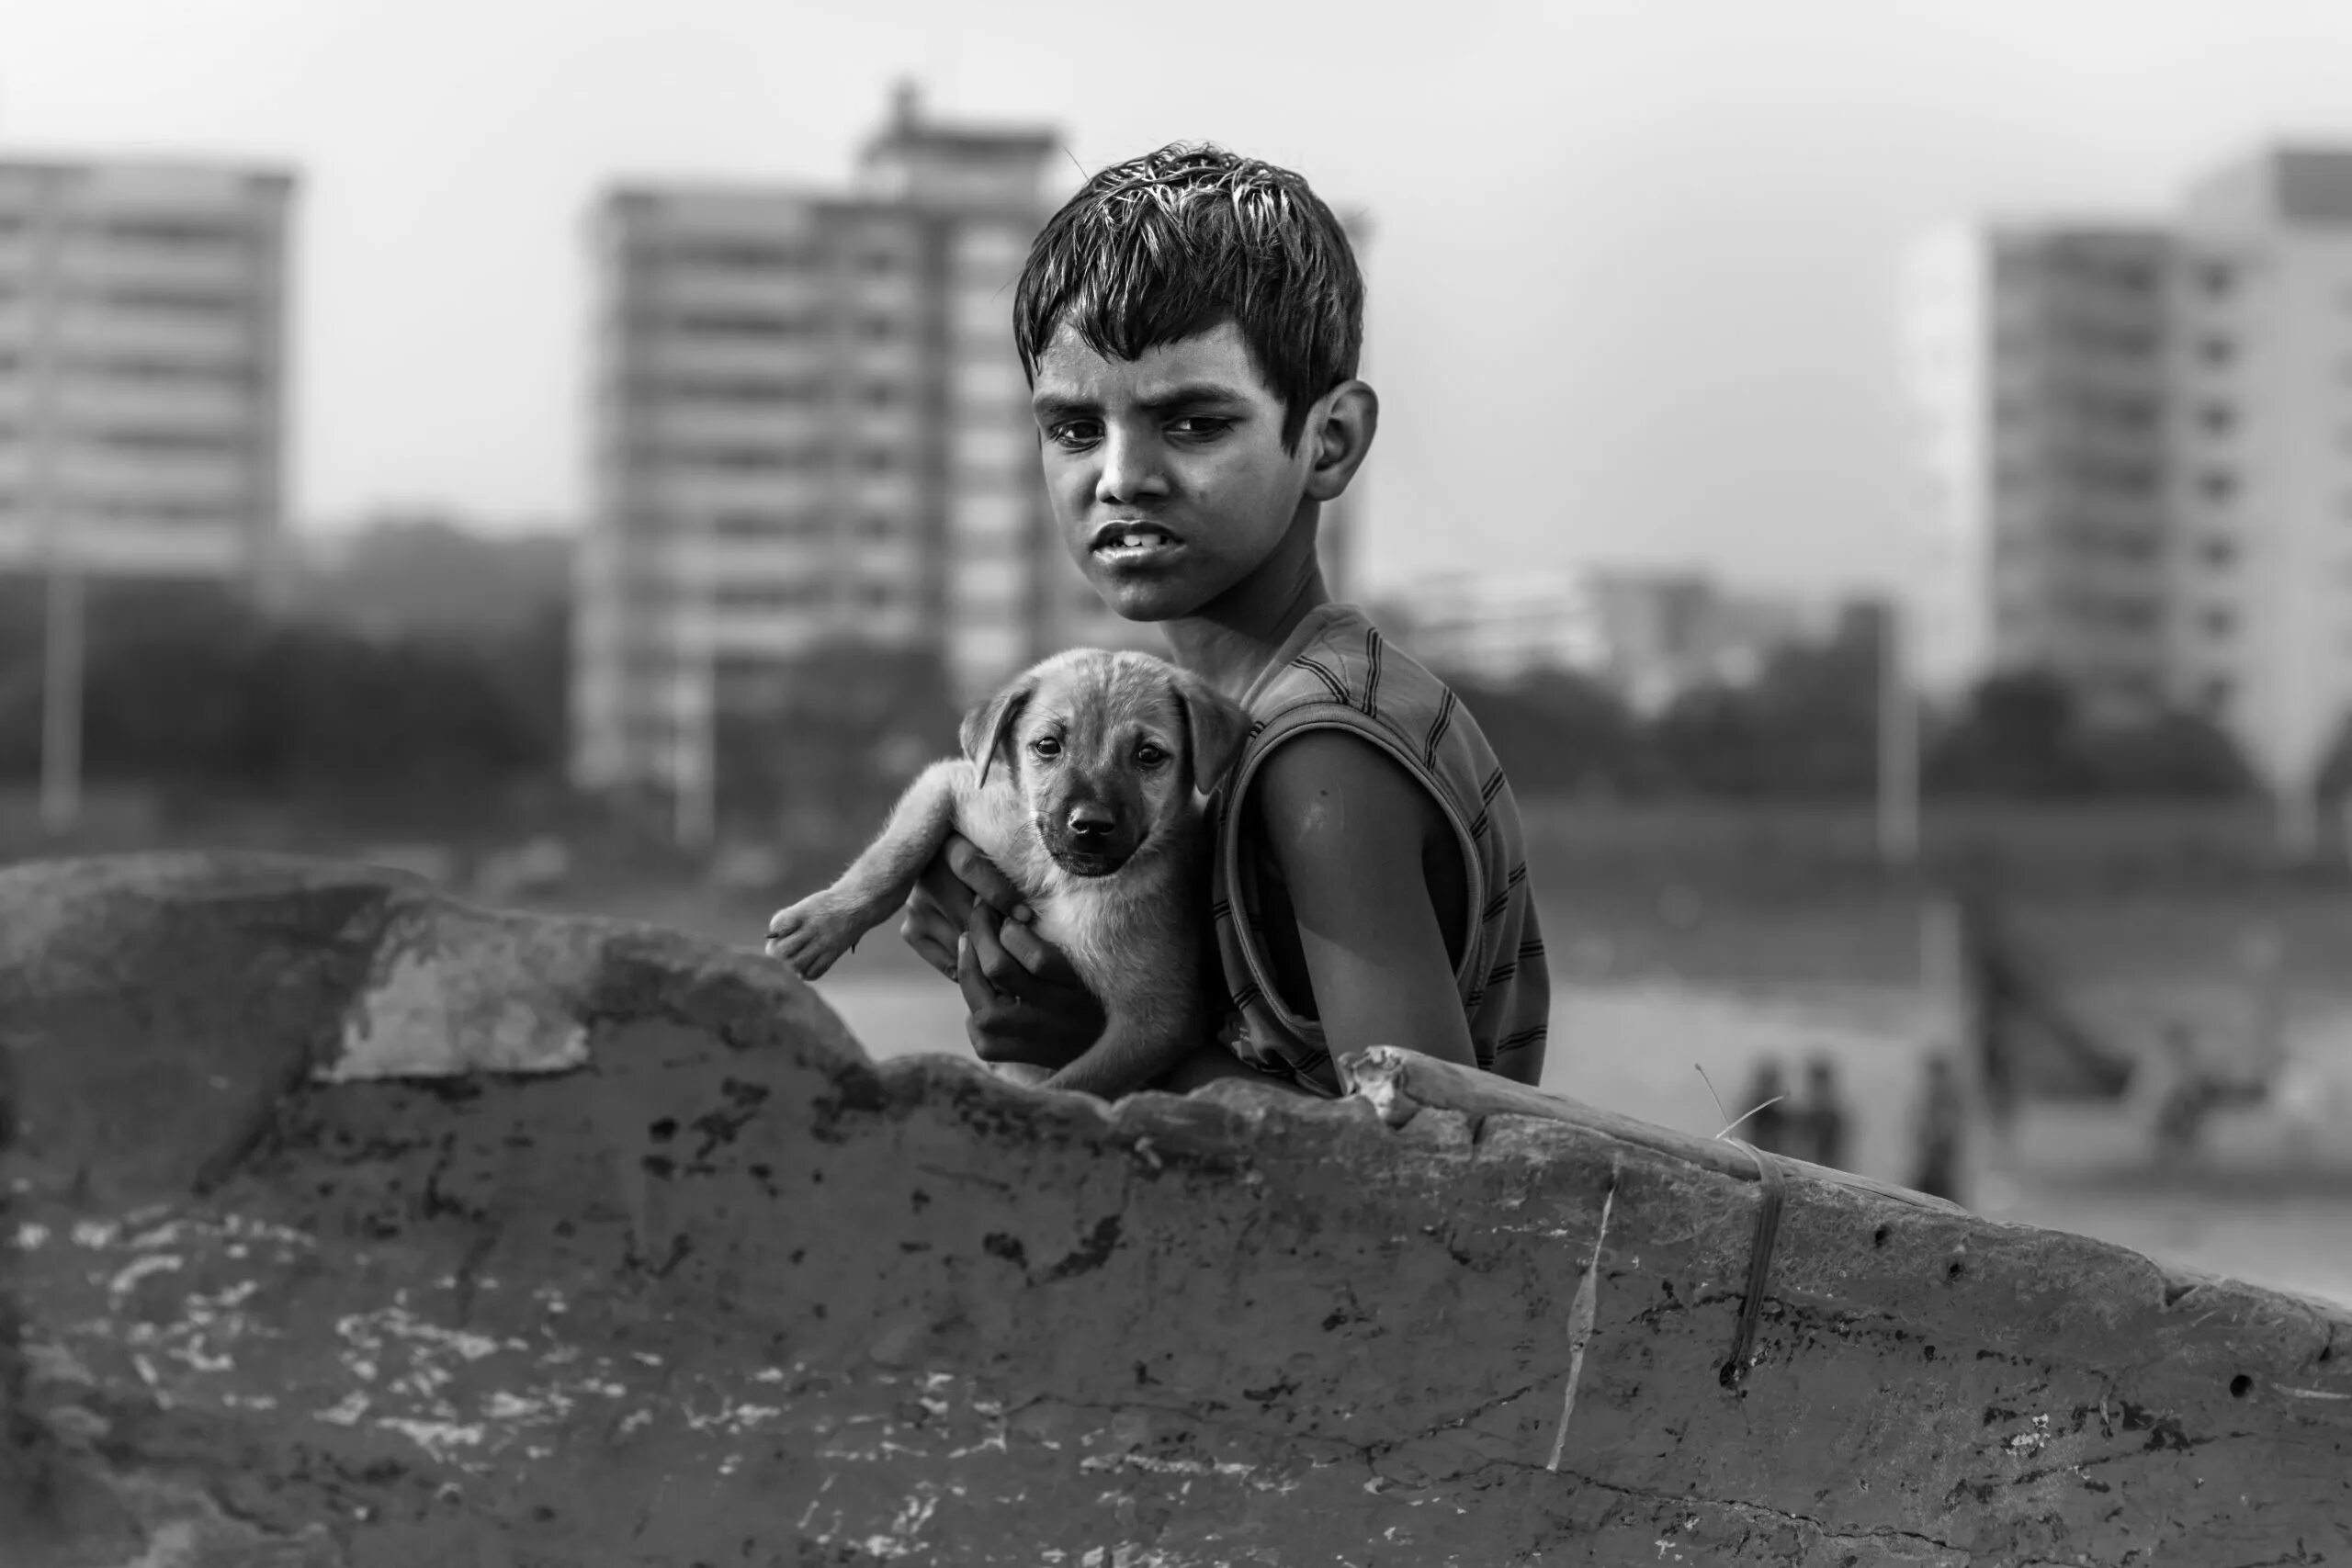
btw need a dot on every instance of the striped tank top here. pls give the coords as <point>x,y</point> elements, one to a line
<point>1335,671</point>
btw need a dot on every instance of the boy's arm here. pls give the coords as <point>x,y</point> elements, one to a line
<point>1347,828</point>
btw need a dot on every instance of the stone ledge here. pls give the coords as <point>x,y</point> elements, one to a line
<point>351,1225</point>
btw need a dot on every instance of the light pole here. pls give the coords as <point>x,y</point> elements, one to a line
<point>694,757</point>
<point>62,638</point>
<point>60,697</point>
<point>1898,740</point>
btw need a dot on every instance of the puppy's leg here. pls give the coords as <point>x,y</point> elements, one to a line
<point>810,935</point>
<point>1149,1032</point>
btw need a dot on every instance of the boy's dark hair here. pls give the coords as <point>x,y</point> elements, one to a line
<point>1178,242</point>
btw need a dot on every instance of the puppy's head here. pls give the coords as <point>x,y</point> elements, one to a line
<point>1107,750</point>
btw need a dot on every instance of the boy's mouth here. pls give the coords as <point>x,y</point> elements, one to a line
<point>1130,542</point>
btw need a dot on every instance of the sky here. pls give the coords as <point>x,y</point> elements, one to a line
<point>1631,278</point>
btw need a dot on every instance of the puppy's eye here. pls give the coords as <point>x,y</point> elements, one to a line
<point>1046,746</point>
<point>1150,755</point>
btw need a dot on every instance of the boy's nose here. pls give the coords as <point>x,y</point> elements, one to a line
<point>1129,470</point>
<point>1089,821</point>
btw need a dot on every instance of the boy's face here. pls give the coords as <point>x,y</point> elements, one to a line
<point>1167,473</point>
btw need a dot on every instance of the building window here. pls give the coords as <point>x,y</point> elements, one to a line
<point>2117,476</point>
<point>2220,622</point>
<point>164,443</point>
<point>757,596</point>
<point>230,373</point>
<point>881,396</point>
<point>2217,484</point>
<point>766,525</point>
<point>2220,552</point>
<point>739,323</point>
<point>877,263</point>
<point>743,459</point>
<point>879,328</point>
<point>731,256</point>
<point>873,527</point>
<point>739,389</point>
<point>2215,696</point>
<point>164,232</point>
<point>880,460</point>
<point>2217,350</point>
<point>2216,278</point>
<point>192,301</point>
<point>2219,419</point>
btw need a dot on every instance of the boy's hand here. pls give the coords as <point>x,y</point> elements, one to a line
<point>958,879</point>
<point>1026,1003</point>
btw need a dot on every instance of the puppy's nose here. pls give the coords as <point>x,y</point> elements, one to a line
<point>1091,822</point>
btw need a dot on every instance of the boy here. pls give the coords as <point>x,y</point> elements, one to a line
<point>1190,324</point>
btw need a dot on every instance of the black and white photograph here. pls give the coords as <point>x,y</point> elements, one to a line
<point>1260,785</point>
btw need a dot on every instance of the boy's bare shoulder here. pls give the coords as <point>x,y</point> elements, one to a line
<point>1330,794</point>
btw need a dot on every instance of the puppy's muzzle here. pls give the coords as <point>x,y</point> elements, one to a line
<point>1088,840</point>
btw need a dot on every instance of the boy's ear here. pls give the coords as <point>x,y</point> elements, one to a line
<point>988,725</point>
<point>1214,727</point>
<point>1348,417</point>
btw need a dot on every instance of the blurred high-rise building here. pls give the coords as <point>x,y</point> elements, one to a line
<point>2038,366</point>
<point>810,427</point>
<point>2137,447</point>
<point>2262,483</point>
<point>1649,635</point>
<point>142,368</point>
<point>1497,625</point>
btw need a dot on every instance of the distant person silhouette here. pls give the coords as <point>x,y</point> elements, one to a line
<point>1939,1125</point>
<point>1819,1122</point>
<point>1766,1123</point>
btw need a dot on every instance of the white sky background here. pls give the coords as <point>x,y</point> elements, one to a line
<point>1631,277</point>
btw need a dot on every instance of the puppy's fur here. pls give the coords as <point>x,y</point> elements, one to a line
<point>1081,781</point>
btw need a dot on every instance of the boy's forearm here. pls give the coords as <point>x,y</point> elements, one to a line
<point>1428,1019</point>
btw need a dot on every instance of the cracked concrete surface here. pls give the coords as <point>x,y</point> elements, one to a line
<point>634,1257</point>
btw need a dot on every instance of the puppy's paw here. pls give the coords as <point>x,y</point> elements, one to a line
<point>812,934</point>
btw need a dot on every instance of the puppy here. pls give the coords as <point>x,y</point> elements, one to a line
<point>1081,780</point>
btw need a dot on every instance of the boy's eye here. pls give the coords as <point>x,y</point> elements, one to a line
<point>1151,754</point>
<point>1074,434</point>
<point>1046,746</point>
<point>1201,427</point>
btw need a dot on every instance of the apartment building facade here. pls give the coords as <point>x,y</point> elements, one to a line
<point>2038,364</point>
<point>143,368</point>
<point>2263,484</point>
<point>811,426</point>
<point>2136,450</point>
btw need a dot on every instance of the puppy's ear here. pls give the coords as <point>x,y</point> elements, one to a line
<point>1214,726</point>
<point>987,728</point>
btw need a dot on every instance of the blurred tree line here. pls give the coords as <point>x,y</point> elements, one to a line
<point>1807,727</point>
<point>191,690</point>
<point>194,691</point>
